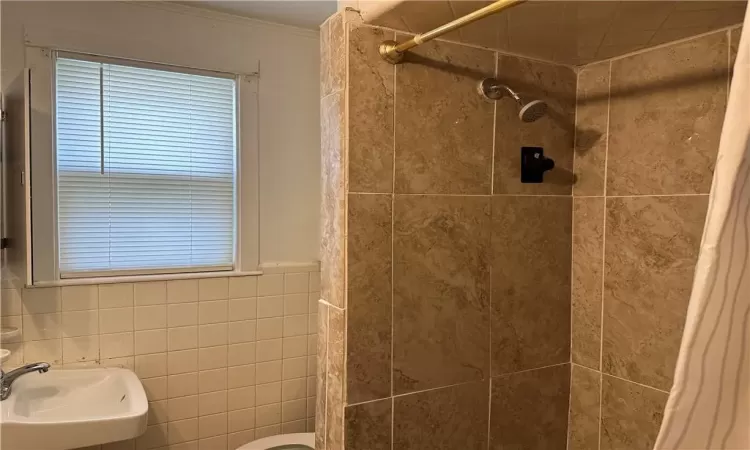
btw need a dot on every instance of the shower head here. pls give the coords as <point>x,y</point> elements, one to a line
<point>530,110</point>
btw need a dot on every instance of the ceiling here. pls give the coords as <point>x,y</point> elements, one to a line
<point>299,13</point>
<point>568,32</point>
<point>563,31</point>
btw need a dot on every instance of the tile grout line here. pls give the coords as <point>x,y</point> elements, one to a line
<point>507,374</point>
<point>492,191</point>
<point>665,20</point>
<point>572,236</point>
<point>321,301</point>
<point>435,194</point>
<point>489,410</point>
<point>663,45</point>
<point>604,240</point>
<point>644,195</point>
<point>458,384</point>
<point>393,262</point>
<point>367,402</point>
<point>620,378</point>
<point>406,394</point>
<point>609,28</point>
<point>634,382</point>
<point>586,367</point>
<point>657,195</point>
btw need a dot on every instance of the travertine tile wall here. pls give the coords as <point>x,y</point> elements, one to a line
<point>223,360</point>
<point>331,309</point>
<point>445,281</point>
<point>648,133</point>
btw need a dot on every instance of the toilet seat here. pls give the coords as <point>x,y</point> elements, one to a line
<point>283,442</point>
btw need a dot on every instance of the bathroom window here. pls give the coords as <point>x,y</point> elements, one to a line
<point>146,168</point>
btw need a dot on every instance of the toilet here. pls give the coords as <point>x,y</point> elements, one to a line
<point>294,441</point>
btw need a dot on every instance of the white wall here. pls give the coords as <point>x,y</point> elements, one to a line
<point>286,57</point>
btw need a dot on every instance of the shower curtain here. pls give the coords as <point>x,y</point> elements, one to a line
<point>709,405</point>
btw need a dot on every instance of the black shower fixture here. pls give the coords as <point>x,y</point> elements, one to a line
<point>534,164</point>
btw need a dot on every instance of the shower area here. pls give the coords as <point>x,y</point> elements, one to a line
<point>512,213</point>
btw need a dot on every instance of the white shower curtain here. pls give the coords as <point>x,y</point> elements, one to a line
<point>709,405</point>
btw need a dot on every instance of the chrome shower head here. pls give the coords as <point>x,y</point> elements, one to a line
<point>530,110</point>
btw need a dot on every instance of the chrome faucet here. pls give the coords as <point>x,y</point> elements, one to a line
<point>7,379</point>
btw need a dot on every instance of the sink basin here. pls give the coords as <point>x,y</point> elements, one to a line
<point>67,409</point>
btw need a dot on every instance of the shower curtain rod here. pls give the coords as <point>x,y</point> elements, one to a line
<point>393,52</point>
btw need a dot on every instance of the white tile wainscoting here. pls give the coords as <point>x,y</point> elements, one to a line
<point>223,360</point>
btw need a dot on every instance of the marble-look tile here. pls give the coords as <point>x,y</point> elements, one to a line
<point>531,247</point>
<point>415,17</point>
<point>732,15</point>
<point>554,132</point>
<point>333,220</point>
<point>337,55</point>
<point>441,291</point>
<point>666,113</point>
<point>325,59</point>
<point>368,426</point>
<point>450,418</point>
<point>592,111</point>
<point>335,383</point>
<point>530,409</point>
<point>443,127</point>
<point>422,17</point>
<point>583,425</point>
<point>586,292</point>
<point>651,248</point>
<point>485,32</point>
<point>371,84</point>
<point>631,415</point>
<point>321,377</point>
<point>533,29</point>
<point>663,36</point>
<point>369,298</point>
<point>389,17</point>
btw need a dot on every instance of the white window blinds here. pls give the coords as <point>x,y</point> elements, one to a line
<point>145,169</point>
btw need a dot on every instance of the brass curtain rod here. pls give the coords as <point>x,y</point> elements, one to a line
<point>393,52</point>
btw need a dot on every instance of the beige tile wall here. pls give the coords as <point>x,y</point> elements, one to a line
<point>643,166</point>
<point>223,360</point>
<point>446,282</point>
<point>408,292</point>
<point>331,310</point>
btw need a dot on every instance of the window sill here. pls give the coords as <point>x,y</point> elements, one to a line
<point>140,278</point>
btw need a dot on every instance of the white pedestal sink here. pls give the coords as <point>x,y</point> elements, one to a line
<point>67,409</point>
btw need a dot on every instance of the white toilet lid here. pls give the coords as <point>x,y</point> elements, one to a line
<point>294,441</point>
